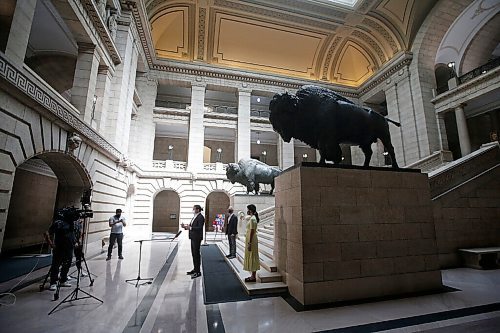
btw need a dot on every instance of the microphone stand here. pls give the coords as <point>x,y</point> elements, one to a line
<point>148,280</point>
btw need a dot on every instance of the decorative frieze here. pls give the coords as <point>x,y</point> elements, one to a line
<point>101,29</point>
<point>201,33</point>
<point>38,94</point>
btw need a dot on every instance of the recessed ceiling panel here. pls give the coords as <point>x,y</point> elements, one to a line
<point>354,65</point>
<point>257,45</point>
<point>169,31</point>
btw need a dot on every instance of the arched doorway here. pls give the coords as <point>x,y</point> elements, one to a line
<point>217,203</point>
<point>41,184</point>
<point>166,209</point>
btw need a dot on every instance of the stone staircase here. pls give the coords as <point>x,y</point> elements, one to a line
<point>269,281</point>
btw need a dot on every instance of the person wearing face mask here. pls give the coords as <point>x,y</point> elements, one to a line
<point>116,223</point>
<point>195,228</point>
<point>251,262</point>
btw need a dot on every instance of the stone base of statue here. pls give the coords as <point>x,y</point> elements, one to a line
<point>352,233</point>
<point>239,203</point>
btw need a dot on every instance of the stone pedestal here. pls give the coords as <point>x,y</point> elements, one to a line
<point>354,233</point>
<point>239,203</point>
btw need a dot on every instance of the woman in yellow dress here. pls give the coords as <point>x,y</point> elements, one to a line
<point>251,262</point>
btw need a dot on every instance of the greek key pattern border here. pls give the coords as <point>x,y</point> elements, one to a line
<point>12,75</point>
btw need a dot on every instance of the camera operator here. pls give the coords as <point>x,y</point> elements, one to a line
<point>61,239</point>
<point>116,223</point>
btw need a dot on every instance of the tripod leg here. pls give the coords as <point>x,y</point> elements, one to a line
<point>72,294</point>
<point>88,271</point>
<point>91,296</point>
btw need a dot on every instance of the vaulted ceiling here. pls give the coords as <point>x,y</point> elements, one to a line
<point>314,40</point>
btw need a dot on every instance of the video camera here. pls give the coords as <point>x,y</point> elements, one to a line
<point>71,214</point>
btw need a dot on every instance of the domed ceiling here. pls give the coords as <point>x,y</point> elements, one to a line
<point>341,42</point>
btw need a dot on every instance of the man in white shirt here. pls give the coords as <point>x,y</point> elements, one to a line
<point>116,222</point>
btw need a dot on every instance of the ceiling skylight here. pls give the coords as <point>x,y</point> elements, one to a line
<point>349,3</point>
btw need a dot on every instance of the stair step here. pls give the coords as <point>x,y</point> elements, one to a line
<point>264,284</point>
<point>265,261</point>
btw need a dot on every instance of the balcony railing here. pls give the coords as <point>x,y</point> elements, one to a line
<point>171,105</point>
<point>480,70</point>
<point>169,165</point>
<point>212,108</point>
<point>215,167</point>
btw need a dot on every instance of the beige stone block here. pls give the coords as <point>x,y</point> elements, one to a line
<point>389,214</point>
<point>422,246</point>
<point>313,272</point>
<point>375,232</point>
<point>424,197</point>
<point>419,214</point>
<point>427,230</point>
<point>371,197</point>
<point>312,177</point>
<point>377,266</point>
<point>356,215</point>
<point>296,288</point>
<point>284,181</point>
<point>311,234</point>
<point>295,178</point>
<point>297,216</point>
<point>354,178</point>
<point>339,233</point>
<point>394,248</point>
<point>431,262</point>
<point>409,264</point>
<point>415,181</point>
<point>359,250</point>
<point>295,268</point>
<point>334,196</point>
<point>328,177</point>
<point>403,197</point>
<point>337,270</point>
<point>295,251</point>
<point>383,179</point>
<point>293,198</point>
<point>320,292</point>
<point>406,231</point>
<point>294,234</point>
<point>310,196</point>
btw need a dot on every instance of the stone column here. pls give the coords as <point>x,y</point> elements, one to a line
<point>142,129</point>
<point>102,92</point>
<point>121,96</point>
<point>196,139</point>
<point>443,138</point>
<point>463,132</point>
<point>391,98</point>
<point>84,82</point>
<point>286,154</point>
<point>243,131</point>
<point>20,29</point>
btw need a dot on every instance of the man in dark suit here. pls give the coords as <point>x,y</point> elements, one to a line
<point>196,236</point>
<point>231,232</point>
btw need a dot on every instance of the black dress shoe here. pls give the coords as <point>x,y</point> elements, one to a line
<point>190,272</point>
<point>231,257</point>
<point>195,275</point>
<point>227,256</point>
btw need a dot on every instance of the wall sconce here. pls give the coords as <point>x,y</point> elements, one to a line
<point>264,154</point>
<point>170,152</point>
<point>219,155</point>
<point>258,139</point>
<point>451,66</point>
<point>304,157</point>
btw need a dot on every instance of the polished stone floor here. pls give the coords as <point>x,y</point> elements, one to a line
<point>174,303</point>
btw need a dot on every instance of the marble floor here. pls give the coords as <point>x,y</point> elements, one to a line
<point>175,303</point>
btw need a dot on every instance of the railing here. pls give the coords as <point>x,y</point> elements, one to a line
<point>171,105</point>
<point>260,113</point>
<point>432,162</point>
<point>480,70</point>
<point>222,109</point>
<point>169,165</point>
<point>215,167</point>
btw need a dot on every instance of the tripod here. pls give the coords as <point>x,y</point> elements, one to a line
<point>73,296</point>
<point>78,262</point>
<point>148,280</point>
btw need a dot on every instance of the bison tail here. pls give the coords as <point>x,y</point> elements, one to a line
<point>394,122</point>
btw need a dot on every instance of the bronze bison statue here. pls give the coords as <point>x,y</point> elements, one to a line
<point>323,119</point>
<point>251,173</point>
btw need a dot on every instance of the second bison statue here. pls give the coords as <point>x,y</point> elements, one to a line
<point>323,119</point>
<point>251,173</point>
